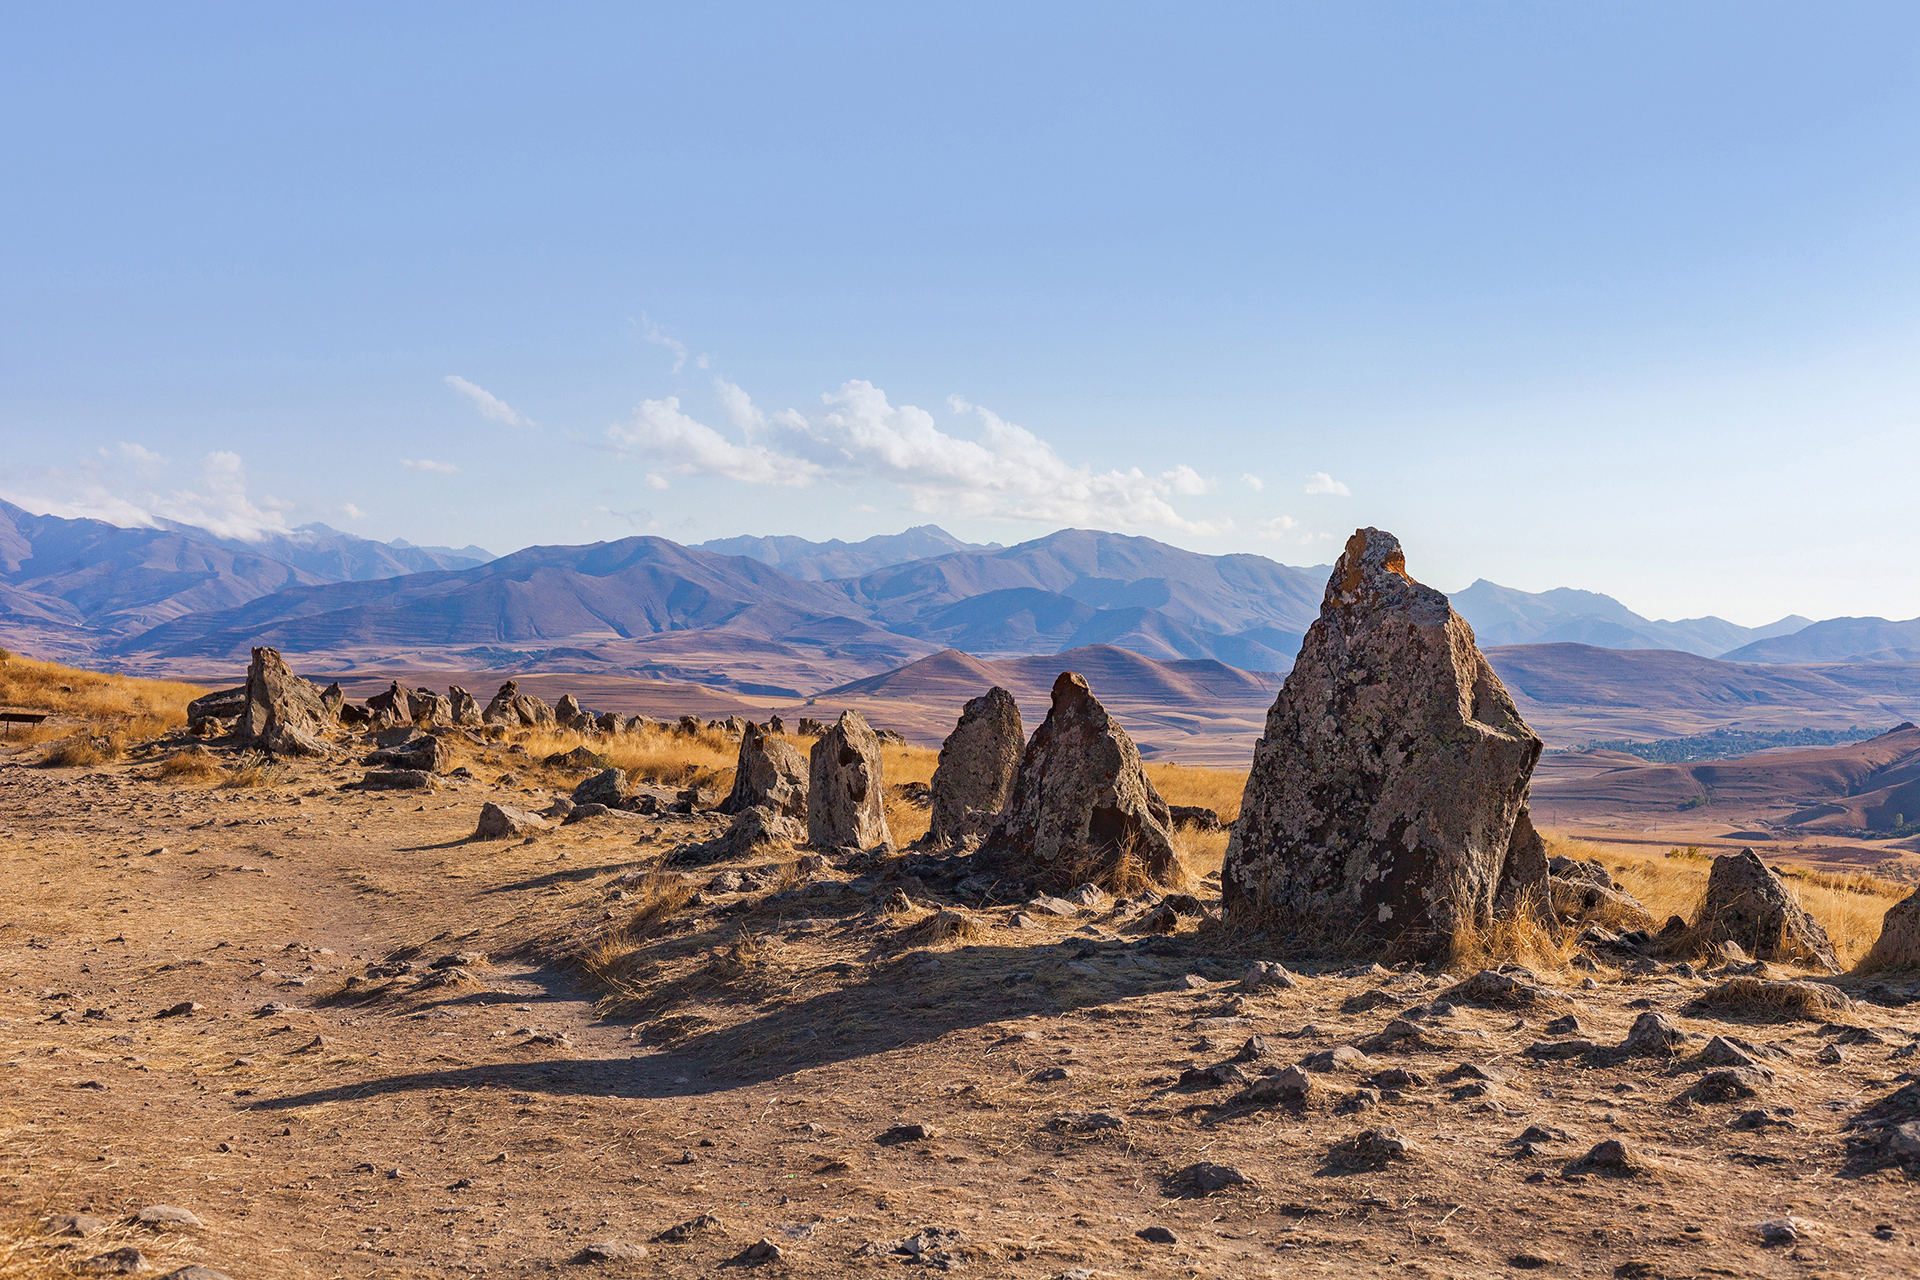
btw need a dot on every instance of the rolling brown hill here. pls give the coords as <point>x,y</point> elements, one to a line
<point>1575,693</point>
<point>1850,790</point>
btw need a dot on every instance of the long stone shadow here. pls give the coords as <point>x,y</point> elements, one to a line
<point>894,1008</point>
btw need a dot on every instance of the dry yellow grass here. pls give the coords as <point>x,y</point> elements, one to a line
<point>1849,907</point>
<point>121,708</point>
<point>1215,789</point>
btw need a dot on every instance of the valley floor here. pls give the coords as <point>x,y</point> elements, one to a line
<point>335,1106</point>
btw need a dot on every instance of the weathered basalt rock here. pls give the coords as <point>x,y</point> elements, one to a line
<point>432,708</point>
<point>515,709</point>
<point>224,705</point>
<point>333,698</point>
<point>608,787</point>
<point>464,707</point>
<point>501,822</point>
<point>768,774</point>
<point>395,701</point>
<point>1747,904</point>
<point>278,699</point>
<point>1898,946</point>
<point>845,789</point>
<point>568,715</point>
<point>978,762</point>
<point>424,752</point>
<point>1385,795</point>
<point>1082,806</point>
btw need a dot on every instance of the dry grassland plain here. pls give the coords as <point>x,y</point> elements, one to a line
<point>408,1053</point>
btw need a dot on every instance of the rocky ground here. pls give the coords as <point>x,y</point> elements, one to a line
<point>227,1001</point>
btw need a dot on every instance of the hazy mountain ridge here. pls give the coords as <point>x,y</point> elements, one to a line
<point>1838,640</point>
<point>818,561</point>
<point>1565,615</point>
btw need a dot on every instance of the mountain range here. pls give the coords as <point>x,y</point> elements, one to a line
<point>785,616</point>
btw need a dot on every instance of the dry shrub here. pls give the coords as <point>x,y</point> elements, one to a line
<point>1119,869</point>
<point>1776,1001</point>
<point>257,770</point>
<point>942,928</point>
<point>658,895</point>
<point>1203,852</point>
<point>1527,936</point>
<point>1216,789</point>
<point>82,749</point>
<point>193,765</point>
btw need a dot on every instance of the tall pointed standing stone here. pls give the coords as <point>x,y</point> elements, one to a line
<point>1082,807</point>
<point>278,699</point>
<point>1383,801</point>
<point>846,804</point>
<point>977,766</point>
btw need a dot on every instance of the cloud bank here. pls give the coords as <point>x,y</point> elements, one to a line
<point>858,435</point>
<point>123,486</point>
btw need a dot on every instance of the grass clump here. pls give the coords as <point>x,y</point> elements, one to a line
<point>1776,1001</point>
<point>1527,936</point>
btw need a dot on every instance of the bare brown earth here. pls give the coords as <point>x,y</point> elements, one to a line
<point>384,1124</point>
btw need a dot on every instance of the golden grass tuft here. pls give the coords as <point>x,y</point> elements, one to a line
<point>82,750</point>
<point>658,895</point>
<point>1761,998</point>
<point>256,770</point>
<point>942,928</point>
<point>1526,936</point>
<point>196,764</point>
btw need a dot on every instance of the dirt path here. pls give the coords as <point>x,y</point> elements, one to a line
<point>388,1126</point>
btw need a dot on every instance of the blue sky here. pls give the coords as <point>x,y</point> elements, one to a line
<point>1620,297</point>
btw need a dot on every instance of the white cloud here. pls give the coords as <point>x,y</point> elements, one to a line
<point>671,441</point>
<point>859,436</point>
<point>659,337</point>
<point>1275,526</point>
<point>426,464</point>
<point>121,487</point>
<point>1321,482</point>
<point>1252,481</point>
<point>491,407</point>
<point>352,512</point>
<point>746,419</point>
<point>656,481</point>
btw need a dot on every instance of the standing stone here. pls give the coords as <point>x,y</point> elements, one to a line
<point>515,709</point>
<point>776,725</point>
<point>278,700</point>
<point>844,788</point>
<point>1524,879</point>
<point>396,702</point>
<point>687,726</point>
<point>332,698</point>
<point>501,822</point>
<point>977,766</point>
<point>1747,904</point>
<point>1082,809</point>
<point>609,723</point>
<point>464,709</point>
<point>768,774</point>
<point>1898,946</point>
<point>1384,796</point>
<point>568,715</point>
<point>432,708</point>
<point>736,725</point>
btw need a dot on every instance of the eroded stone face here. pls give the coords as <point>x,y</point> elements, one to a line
<point>1384,797</point>
<point>845,791</point>
<point>768,774</point>
<point>1746,903</point>
<point>1082,806</point>
<point>278,699</point>
<point>1898,946</point>
<point>978,762</point>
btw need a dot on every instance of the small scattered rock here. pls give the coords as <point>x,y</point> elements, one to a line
<point>1157,1235</point>
<point>680,1233</point>
<point>908,1133</point>
<point>166,1215</point>
<point>611,1251</point>
<point>124,1261</point>
<point>1085,1121</point>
